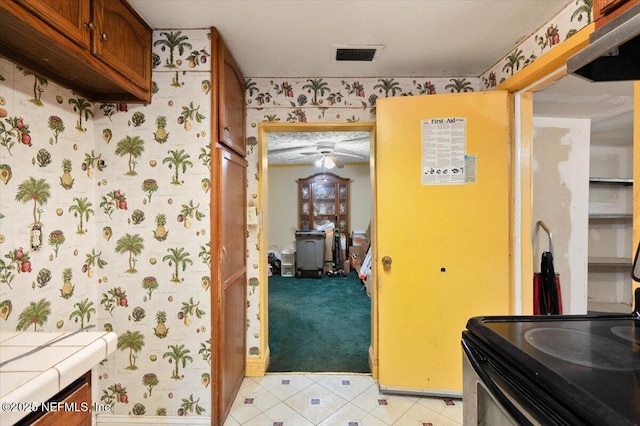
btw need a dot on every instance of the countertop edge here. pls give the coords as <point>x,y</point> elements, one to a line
<point>52,380</point>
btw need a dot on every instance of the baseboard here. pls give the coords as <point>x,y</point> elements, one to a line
<point>257,366</point>
<point>373,363</point>
<point>440,393</point>
<point>152,420</point>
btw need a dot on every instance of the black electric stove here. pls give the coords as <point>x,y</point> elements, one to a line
<point>570,369</point>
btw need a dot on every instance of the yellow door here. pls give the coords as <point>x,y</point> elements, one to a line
<point>441,248</point>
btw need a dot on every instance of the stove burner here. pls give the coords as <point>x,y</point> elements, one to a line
<point>630,333</point>
<point>582,348</point>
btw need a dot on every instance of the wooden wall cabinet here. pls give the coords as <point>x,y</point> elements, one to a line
<point>69,17</point>
<point>229,230</point>
<point>229,103</point>
<point>606,10</point>
<point>122,40</point>
<point>99,48</point>
<point>323,198</point>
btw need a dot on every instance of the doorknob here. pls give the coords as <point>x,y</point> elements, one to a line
<point>386,261</point>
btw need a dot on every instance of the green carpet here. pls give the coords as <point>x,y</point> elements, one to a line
<point>319,325</point>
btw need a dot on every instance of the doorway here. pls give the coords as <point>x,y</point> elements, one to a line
<point>289,195</point>
<point>593,238</point>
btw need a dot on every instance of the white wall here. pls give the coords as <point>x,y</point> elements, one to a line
<point>561,200</point>
<point>283,200</point>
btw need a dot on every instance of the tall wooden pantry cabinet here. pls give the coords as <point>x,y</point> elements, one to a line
<point>228,228</point>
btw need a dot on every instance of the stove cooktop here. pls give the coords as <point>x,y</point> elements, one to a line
<point>587,349</point>
<point>591,362</point>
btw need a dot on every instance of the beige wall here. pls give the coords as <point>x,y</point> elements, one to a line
<point>283,200</point>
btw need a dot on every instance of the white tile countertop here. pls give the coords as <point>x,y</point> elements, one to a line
<point>59,358</point>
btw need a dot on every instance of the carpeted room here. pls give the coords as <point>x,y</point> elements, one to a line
<point>317,325</point>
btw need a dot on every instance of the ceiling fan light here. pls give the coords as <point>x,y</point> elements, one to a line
<point>319,162</point>
<point>329,163</point>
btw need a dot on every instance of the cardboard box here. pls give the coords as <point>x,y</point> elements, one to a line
<point>328,245</point>
<point>357,252</point>
<point>356,256</point>
<point>358,237</point>
<point>367,238</point>
<point>368,284</point>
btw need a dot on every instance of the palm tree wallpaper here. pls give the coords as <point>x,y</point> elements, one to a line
<point>575,16</point>
<point>123,215</point>
<point>120,237</point>
<point>36,191</point>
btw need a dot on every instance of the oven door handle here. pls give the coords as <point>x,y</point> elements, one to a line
<point>492,387</point>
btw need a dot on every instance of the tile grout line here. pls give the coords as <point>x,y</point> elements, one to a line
<point>324,386</point>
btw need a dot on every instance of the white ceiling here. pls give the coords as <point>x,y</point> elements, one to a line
<point>435,38</point>
<point>307,147</point>
<point>287,38</point>
<point>609,105</point>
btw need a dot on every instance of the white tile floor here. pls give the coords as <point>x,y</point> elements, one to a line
<point>333,400</point>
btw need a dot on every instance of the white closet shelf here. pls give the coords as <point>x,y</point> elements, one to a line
<point>610,216</point>
<point>609,307</point>
<point>609,261</point>
<point>615,181</point>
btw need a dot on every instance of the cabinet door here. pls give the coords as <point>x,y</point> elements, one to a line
<point>343,208</point>
<point>324,203</point>
<point>231,102</point>
<point>69,17</point>
<point>122,40</point>
<point>229,267</point>
<point>605,7</point>
<point>78,396</point>
<point>606,10</point>
<point>304,220</point>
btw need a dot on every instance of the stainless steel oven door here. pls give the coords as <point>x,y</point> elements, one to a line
<point>498,390</point>
<point>485,403</point>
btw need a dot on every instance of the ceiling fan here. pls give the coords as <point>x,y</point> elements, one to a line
<point>332,149</point>
<point>325,151</point>
<point>328,156</point>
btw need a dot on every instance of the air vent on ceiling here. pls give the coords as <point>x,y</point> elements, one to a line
<point>365,55</point>
<point>368,53</point>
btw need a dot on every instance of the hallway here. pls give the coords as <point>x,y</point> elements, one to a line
<point>332,400</point>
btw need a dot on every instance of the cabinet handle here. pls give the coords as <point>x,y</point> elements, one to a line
<point>89,26</point>
<point>103,37</point>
